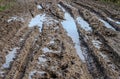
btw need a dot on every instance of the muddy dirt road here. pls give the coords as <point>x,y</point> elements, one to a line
<point>60,39</point>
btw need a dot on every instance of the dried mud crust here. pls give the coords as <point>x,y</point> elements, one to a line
<point>48,51</point>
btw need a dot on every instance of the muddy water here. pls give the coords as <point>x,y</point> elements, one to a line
<point>34,72</point>
<point>39,20</point>
<point>90,59</point>
<point>10,57</point>
<point>83,24</point>
<point>70,26</point>
<point>117,22</point>
<point>91,63</point>
<point>15,18</point>
<point>107,24</point>
<point>39,7</point>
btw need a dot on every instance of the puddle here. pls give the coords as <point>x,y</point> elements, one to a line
<point>10,57</point>
<point>84,24</point>
<point>70,26</point>
<point>39,7</point>
<point>42,59</point>
<point>31,74</point>
<point>117,22</point>
<point>15,18</point>
<point>103,55</point>
<point>38,20</point>
<point>107,24</point>
<point>47,50</point>
<point>61,8</point>
<point>52,42</point>
<point>96,43</point>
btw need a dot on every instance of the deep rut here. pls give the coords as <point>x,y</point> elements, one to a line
<point>92,63</point>
<point>100,13</point>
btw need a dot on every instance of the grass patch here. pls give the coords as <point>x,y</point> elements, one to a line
<point>112,1</point>
<point>2,8</point>
<point>6,5</point>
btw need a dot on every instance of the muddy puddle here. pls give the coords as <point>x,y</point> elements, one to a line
<point>107,24</point>
<point>83,24</point>
<point>117,22</point>
<point>70,26</point>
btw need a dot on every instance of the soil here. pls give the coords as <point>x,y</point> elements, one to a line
<point>60,39</point>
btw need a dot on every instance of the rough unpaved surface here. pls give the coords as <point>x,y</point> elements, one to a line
<point>60,39</point>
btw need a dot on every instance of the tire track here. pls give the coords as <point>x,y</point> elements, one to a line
<point>103,35</point>
<point>18,65</point>
<point>105,70</point>
<point>99,13</point>
<point>56,57</point>
<point>92,67</point>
